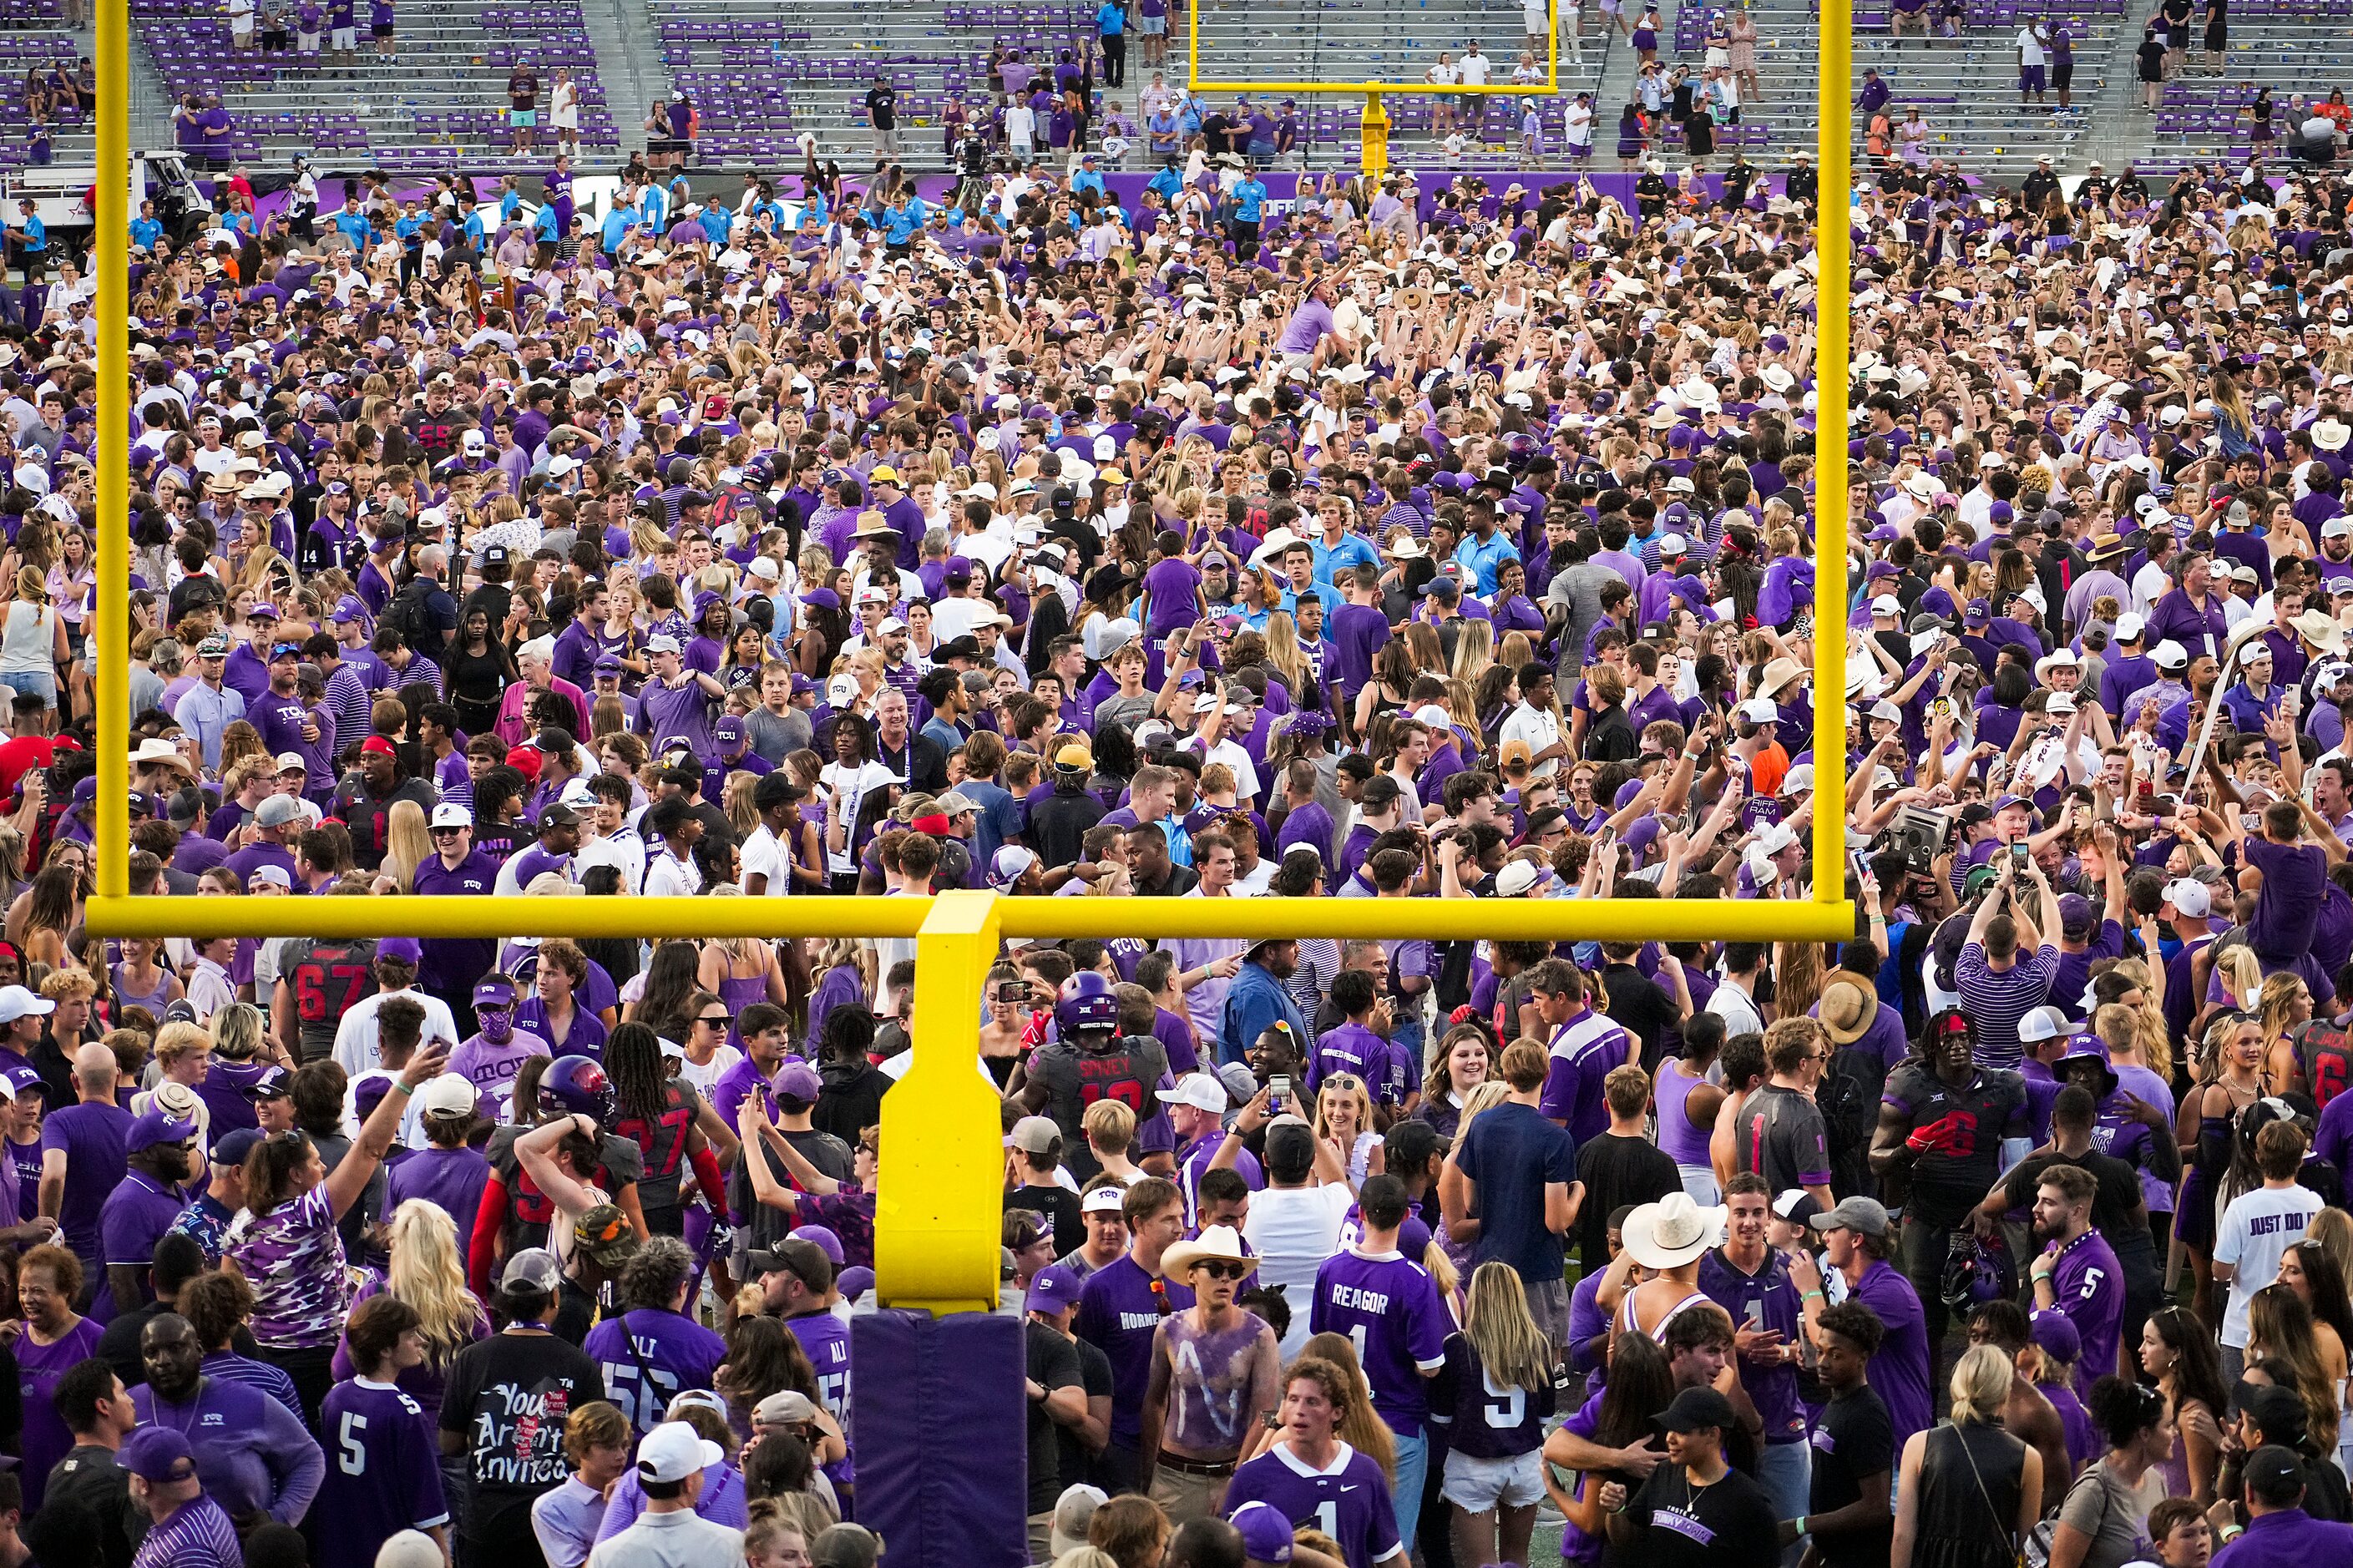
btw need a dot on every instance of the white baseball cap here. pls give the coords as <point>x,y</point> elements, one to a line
<point>450,813</point>
<point>673,1451</point>
<point>1197,1090</point>
<point>2190,897</point>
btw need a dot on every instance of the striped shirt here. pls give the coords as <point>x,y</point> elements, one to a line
<point>1996,1001</point>
<point>196,1534</point>
<point>230,1367</point>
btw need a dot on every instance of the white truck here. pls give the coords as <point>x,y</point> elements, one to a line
<point>62,194</point>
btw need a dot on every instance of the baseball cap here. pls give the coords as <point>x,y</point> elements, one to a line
<point>797,1080</point>
<point>400,949</point>
<point>1797,1206</point>
<point>786,1407</point>
<point>1197,1090</point>
<point>15,1002</point>
<point>1035,1134</point>
<point>274,1083</point>
<point>2272,1472</point>
<point>154,1127</point>
<point>1054,1288</point>
<point>277,811</point>
<point>673,1451</point>
<point>532,1269</point>
<point>1008,864</point>
<point>154,1453</point>
<point>1866,1216</point>
<point>1101,1200</point>
<point>823,1238</point>
<point>445,1095</point>
<point>235,1146</point>
<point>1266,1532</point>
<point>409,1549</point>
<point>450,813</point>
<point>292,762</point>
<point>1694,1409</point>
<point>2055,1333</point>
<point>2190,897</point>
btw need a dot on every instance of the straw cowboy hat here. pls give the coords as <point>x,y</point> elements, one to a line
<point>2323,634</point>
<point>1780,673</point>
<point>1215,1244</point>
<point>1667,1234</point>
<point>1846,1012</point>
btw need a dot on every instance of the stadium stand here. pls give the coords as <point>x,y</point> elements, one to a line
<point>441,98</point>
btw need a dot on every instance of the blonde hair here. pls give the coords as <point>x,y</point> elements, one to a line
<point>2241,974</point>
<point>427,1273</point>
<point>1361,1427</point>
<point>237,1029</point>
<point>407,844</point>
<point>1109,1126</point>
<point>1484,1096</point>
<point>1981,1386</point>
<point>177,1038</point>
<point>1499,1326</point>
<point>1351,1086</point>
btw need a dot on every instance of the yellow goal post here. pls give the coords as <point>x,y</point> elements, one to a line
<point>937,1221</point>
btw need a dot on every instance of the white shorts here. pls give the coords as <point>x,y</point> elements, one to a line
<point>1699,1182</point>
<point>1476,1485</point>
<point>343,40</point>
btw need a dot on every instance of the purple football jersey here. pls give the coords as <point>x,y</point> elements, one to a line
<point>453,1179</point>
<point>384,1472</point>
<point>1387,1305</point>
<point>91,1138</point>
<point>649,1357</point>
<point>2088,1285</point>
<point>1347,1500</point>
<point>826,1338</point>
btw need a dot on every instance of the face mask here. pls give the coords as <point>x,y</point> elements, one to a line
<point>497,1027</point>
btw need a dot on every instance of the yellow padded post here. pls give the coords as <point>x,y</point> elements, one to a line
<point>936,1217</point>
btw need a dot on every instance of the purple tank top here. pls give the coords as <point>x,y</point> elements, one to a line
<point>154,1001</point>
<point>1682,1143</point>
<point>739,994</point>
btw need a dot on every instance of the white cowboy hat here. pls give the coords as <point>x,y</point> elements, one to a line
<point>1216,1243</point>
<point>2330,435</point>
<point>1664,1235</point>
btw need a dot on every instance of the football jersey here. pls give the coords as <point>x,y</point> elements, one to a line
<point>1389,1306</point>
<point>1348,1499</point>
<point>384,1472</point>
<point>649,1357</point>
<point>1481,1419</point>
<point>826,1339</point>
<point>328,976</point>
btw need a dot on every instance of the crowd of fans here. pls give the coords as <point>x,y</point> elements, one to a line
<point>1390,544</point>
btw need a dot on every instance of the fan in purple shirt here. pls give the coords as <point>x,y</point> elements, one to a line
<point>161,1151</point>
<point>1122,1304</point>
<point>386,1477</point>
<point>2077,1272</point>
<point>652,1350</point>
<point>1309,1477</point>
<point>82,1146</point>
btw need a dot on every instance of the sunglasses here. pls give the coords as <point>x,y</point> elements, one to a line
<point>1224,1270</point>
<point>448,832</point>
<point>717,1020</point>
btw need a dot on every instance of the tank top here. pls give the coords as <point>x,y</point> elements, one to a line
<point>1682,1143</point>
<point>27,643</point>
<point>1628,1322</point>
<point>154,1001</point>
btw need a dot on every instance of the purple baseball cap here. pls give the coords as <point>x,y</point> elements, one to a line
<point>796,1080</point>
<point>154,1127</point>
<point>823,1240</point>
<point>2055,1333</point>
<point>1054,1288</point>
<point>401,949</point>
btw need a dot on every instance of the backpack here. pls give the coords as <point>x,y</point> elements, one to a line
<point>1848,1099</point>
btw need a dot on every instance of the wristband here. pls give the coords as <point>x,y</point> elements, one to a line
<point>404,1085</point>
<point>1801,1526</point>
<point>2231,1532</point>
<point>1811,1295</point>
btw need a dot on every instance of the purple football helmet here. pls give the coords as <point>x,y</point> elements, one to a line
<point>1087,1003</point>
<point>576,1086</point>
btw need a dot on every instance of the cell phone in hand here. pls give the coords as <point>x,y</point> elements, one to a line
<point>1278,1093</point>
<point>2021,856</point>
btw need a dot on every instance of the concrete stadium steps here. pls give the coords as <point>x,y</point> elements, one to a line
<point>438,103</point>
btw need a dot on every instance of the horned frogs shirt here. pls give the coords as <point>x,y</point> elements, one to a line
<point>509,1396</point>
<point>1687,1526</point>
